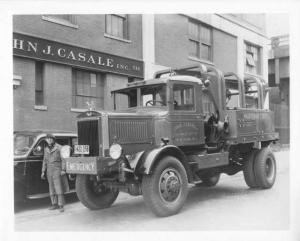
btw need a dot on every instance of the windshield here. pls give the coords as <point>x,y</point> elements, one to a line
<point>22,143</point>
<point>150,95</point>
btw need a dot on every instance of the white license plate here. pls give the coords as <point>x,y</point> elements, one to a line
<point>81,149</point>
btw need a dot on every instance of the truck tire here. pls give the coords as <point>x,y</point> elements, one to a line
<point>248,170</point>
<point>90,196</point>
<point>166,188</point>
<point>265,168</point>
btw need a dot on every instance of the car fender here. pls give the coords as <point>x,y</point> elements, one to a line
<point>149,158</point>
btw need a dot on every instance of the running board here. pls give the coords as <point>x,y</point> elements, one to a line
<point>43,195</point>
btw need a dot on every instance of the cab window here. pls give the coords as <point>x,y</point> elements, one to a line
<point>183,96</point>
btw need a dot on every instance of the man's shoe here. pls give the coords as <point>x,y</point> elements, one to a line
<point>53,207</point>
<point>61,209</point>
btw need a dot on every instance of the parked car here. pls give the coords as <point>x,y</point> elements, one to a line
<point>28,158</point>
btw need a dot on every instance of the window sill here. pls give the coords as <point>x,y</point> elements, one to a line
<point>41,107</point>
<point>116,38</point>
<point>201,60</point>
<point>60,21</point>
<point>77,110</point>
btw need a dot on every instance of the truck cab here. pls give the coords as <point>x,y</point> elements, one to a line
<point>185,125</point>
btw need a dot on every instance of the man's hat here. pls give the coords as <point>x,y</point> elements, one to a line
<point>51,136</point>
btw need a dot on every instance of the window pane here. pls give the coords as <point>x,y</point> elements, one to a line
<point>205,35</point>
<point>39,76</point>
<point>205,52</point>
<point>108,24</point>
<point>193,48</point>
<point>120,28</point>
<point>67,17</point>
<point>193,31</point>
<point>39,89</point>
<point>87,87</point>
<point>252,59</point>
<point>39,98</point>
<point>183,97</point>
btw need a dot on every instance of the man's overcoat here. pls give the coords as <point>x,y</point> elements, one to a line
<point>52,163</point>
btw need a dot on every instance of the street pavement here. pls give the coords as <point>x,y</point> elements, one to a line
<point>230,205</point>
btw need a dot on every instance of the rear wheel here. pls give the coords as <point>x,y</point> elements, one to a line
<point>92,194</point>
<point>265,168</point>
<point>248,169</point>
<point>165,190</point>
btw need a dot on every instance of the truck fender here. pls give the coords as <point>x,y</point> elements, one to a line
<point>149,158</point>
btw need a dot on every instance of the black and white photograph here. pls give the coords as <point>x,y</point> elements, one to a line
<point>164,121</point>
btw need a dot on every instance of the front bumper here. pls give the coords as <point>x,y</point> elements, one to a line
<point>90,165</point>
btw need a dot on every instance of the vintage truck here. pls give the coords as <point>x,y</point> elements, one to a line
<point>184,126</point>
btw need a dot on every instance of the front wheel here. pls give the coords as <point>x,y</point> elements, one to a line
<point>165,190</point>
<point>93,195</point>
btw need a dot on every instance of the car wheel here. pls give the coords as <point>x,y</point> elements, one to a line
<point>92,195</point>
<point>265,168</point>
<point>248,169</point>
<point>165,190</point>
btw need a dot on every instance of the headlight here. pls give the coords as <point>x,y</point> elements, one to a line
<point>65,151</point>
<point>115,151</point>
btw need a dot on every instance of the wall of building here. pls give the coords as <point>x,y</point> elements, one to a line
<point>279,80</point>
<point>171,40</point>
<point>224,51</point>
<point>57,96</point>
<point>89,34</point>
<point>57,112</point>
<point>172,44</point>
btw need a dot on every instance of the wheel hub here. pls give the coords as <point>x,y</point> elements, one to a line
<point>170,185</point>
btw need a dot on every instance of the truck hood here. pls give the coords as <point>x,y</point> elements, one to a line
<point>143,111</point>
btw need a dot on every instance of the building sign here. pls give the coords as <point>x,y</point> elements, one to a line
<point>47,50</point>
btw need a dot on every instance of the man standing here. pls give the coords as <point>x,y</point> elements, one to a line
<point>57,179</point>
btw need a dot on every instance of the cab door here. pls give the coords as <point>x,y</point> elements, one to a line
<point>187,124</point>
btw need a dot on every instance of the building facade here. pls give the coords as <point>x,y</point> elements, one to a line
<point>279,82</point>
<point>61,62</point>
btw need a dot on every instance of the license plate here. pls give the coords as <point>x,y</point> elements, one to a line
<point>81,149</point>
<point>81,167</point>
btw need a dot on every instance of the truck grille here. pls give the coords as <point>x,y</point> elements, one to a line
<point>130,131</point>
<point>88,134</point>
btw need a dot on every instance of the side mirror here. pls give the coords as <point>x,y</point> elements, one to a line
<point>38,151</point>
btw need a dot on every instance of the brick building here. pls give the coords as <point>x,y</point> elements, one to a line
<point>63,61</point>
<point>279,82</point>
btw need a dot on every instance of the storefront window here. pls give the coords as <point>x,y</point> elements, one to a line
<point>39,83</point>
<point>200,41</point>
<point>252,59</point>
<point>88,88</point>
<point>117,25</point>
